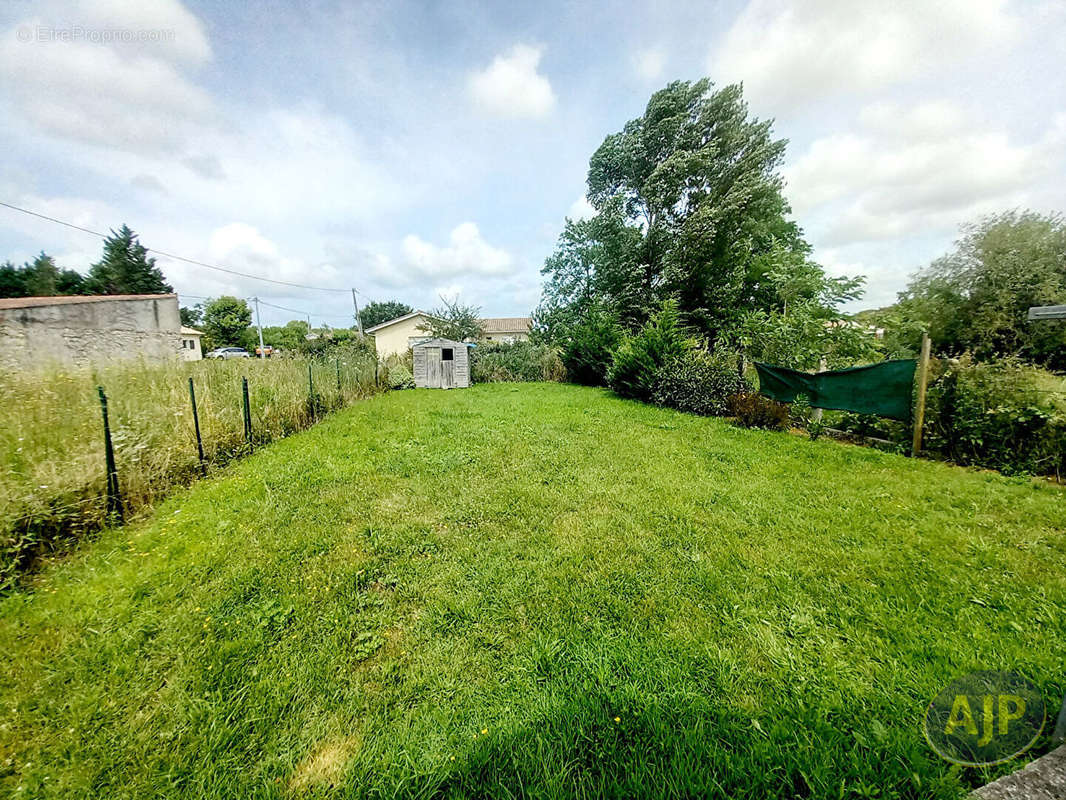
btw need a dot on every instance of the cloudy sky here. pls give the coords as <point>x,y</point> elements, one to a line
<point>410,150</point>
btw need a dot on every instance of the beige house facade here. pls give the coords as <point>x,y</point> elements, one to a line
<point>397,336</point>
<point>191,348</point>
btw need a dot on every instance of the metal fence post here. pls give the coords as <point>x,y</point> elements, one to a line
<point>196,427</point>
<point>247,414</point>
<point>114,497</point>
<point>310,391</point>
<point>338,363</point>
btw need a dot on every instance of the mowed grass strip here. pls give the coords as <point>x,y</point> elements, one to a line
<point>532,591</point>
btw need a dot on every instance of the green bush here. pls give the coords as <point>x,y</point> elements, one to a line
<point>638,359</point>
<point>992,414</point>
<point>400,377</point>
<point>700,383</point>
<point>515,362</point>
<point>588,352</point>
<point>755,411</point>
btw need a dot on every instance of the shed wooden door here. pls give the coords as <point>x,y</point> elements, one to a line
<point>432,367</point>
<point>447,368</point>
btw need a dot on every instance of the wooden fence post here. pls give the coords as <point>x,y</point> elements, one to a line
<point>114,497</point>
<point>919,408</point>
<point>816,414</point>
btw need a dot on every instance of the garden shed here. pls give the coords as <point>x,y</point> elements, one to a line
<point>442,364</point>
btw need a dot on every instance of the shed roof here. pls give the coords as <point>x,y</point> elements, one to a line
<point>62,300</point>
<point>441,342</point>
<point>190,331</point>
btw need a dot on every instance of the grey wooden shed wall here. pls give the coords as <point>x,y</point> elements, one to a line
<point>433,371</point>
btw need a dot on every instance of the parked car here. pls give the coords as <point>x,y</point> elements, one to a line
<point>228,352</point>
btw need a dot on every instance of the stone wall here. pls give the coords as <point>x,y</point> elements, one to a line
<point>39,331</point>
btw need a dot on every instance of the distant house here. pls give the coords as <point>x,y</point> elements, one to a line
<point>397,336</point>
<point>506,329</point>
<point>35,331</point>
<point>191,349</point>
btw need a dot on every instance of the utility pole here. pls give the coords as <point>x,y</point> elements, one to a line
<point>259,325</point>
<point>358,322</point>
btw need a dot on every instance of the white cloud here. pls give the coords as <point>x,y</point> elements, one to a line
<point>650,63</point>
<point>907,172</point>
<point>162,28</point>
<point>581,209</point>
<point>466,253</point>
<point>789,52</point>
<point>511,86</point>
<point>83,72</point>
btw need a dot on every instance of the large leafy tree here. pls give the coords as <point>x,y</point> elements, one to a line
<point>453,320</point>
<point>225,321</point>
<point>126,268</point>
<point>802,325</point>
<point>977,297</point>
<point>191,316</point>
<point>376,312</point>
<point>689,205</point>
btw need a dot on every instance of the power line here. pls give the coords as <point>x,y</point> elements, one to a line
<point>274,305</point>
<point>171,255</point>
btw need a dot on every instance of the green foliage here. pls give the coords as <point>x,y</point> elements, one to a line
<point>192,317</point>
<point>700,382</point>
<point>125,268</point>
<point>515,362</point>
<point>752,410</point>
<point>225,322</point>
<point>689,205</point>
<point>802,415</point>
<point>376,312</point>
<point>977,297</point>
<point>804,326</point>
<point>400,377</point>
<point>39,278</point>
<point>455,321</point>
<point>588,348</point>
<point>638,359</point>
<point>992,414</point>
<point>328,342</point>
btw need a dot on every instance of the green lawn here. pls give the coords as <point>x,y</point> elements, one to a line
<point>532,590</point>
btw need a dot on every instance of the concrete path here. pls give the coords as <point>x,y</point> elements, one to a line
<point>1043,779</point>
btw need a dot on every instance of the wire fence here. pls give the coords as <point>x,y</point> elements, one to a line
<point>86,447</point>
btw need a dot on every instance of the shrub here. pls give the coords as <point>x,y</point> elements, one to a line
<point>588,352</point>
<point>993,414</point>
<point>755,411</point>
<point>700,383</point>
<point>638,359</point>
<point>515,362</point>
<point>802,415</point>
<point>400,377</point>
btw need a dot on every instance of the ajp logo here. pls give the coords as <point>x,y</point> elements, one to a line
<point>985,718</point>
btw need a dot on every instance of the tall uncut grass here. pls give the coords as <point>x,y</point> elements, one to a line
<point>53,481</point>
